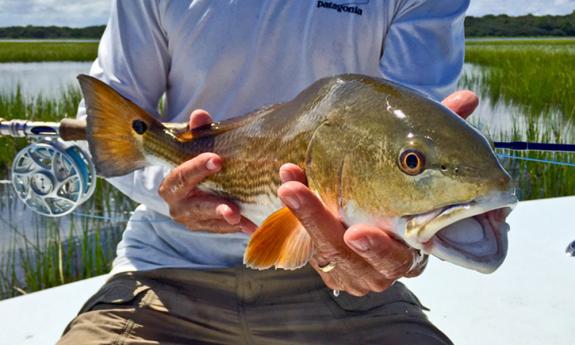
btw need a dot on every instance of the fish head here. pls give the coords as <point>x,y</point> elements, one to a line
<point>407,163</point>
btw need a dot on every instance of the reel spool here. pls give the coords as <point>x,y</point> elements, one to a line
<point>53,177</point>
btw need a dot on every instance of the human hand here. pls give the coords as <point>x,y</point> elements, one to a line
<point>366,258</point>
<point>462,102</point>
<point>196,209</point>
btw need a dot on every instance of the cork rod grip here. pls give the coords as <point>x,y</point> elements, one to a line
<point>73,129</point>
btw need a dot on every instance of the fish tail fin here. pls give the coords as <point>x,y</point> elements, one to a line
<point>280,242</point>
<point>112,128</point>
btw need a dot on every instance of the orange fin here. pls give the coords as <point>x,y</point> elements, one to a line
<point>114,144</point>
<point>280,242</point>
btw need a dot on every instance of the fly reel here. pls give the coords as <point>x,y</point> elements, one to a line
<point>53,177</point>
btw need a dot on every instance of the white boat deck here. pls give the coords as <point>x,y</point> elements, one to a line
<point>529,300</point>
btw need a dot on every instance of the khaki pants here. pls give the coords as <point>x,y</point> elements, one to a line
<point>242,306</point>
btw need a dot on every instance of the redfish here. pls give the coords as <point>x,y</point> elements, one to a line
<point>375,153</point>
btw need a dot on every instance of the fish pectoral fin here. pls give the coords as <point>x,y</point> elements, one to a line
<point>280,242</point>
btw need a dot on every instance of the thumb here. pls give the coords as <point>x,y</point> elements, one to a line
<point>463,102</point>
<point>199,118</point>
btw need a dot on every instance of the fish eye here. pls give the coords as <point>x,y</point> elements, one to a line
<point>412,162</point>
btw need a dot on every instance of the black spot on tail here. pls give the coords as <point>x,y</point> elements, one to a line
<point>139,126</point>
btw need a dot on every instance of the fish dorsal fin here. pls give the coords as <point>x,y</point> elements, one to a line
<point>280,242</point>
<point>183,133</point>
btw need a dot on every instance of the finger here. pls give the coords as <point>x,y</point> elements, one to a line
<point>211,225</point>
<point>387,256</point>
<point>379,283</point>
<point>184,178</point>
<point>247,226</point>
<point>324,228</point>
<point>328,279</point>
<point>199,118</point>
<point>462,102</point>
<point>339,279</point>
<point>206,207</point>
<point>292,172</point>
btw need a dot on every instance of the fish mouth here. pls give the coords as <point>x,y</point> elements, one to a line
<point>472,235</point>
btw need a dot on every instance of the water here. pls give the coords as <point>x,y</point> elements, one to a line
<point>49,79</point>
<point>498,118</point>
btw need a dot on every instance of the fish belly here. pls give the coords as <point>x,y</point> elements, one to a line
<point>263,207</point>
<point>257,209</point>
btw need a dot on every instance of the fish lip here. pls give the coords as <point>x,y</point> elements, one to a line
<point>493,229</point>
<point>423,231</point>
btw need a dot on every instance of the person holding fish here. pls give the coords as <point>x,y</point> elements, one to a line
<point>265,190</point>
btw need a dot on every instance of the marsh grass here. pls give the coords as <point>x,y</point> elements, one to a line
<point>51,256</point>
<point>61,250</point>
<point>537,76</point>
<point>539,179</point>
<point>38,108</point>
<point>48,259</point>
<point>47,51</point>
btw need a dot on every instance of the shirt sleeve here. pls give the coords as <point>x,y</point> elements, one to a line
<point>424,45</point>
<point>133,58</point>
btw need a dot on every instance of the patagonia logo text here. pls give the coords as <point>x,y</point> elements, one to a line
<point>348,7</point>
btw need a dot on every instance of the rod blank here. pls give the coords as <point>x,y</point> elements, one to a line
<point>524,146</point>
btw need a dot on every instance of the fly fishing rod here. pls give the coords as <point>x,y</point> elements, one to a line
<point>54,174</point>
<point>529,146</point>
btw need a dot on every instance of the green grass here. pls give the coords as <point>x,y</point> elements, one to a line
<point>47,259</point>
<point>537,180</point>
<point>38,108</point>
<point>537,76</point>
<point>47,51</point>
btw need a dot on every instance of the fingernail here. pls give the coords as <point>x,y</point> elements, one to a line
<point>223,210</point>
<point>286,176</point>
<point>212,165</point>
<point>292,201</point>
<point>360,244</point>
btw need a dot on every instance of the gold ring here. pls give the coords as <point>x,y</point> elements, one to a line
<point>327,267</point>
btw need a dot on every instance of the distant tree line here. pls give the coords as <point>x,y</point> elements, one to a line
<point>38,32</point>
<point>529,25</point>
<point>490,25</point>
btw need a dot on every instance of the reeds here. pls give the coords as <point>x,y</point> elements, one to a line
<point>47,51</point>
<point>536,78</point>
<point>59,250</point>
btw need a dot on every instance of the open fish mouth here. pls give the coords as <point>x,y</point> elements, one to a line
<point>472,235</point>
